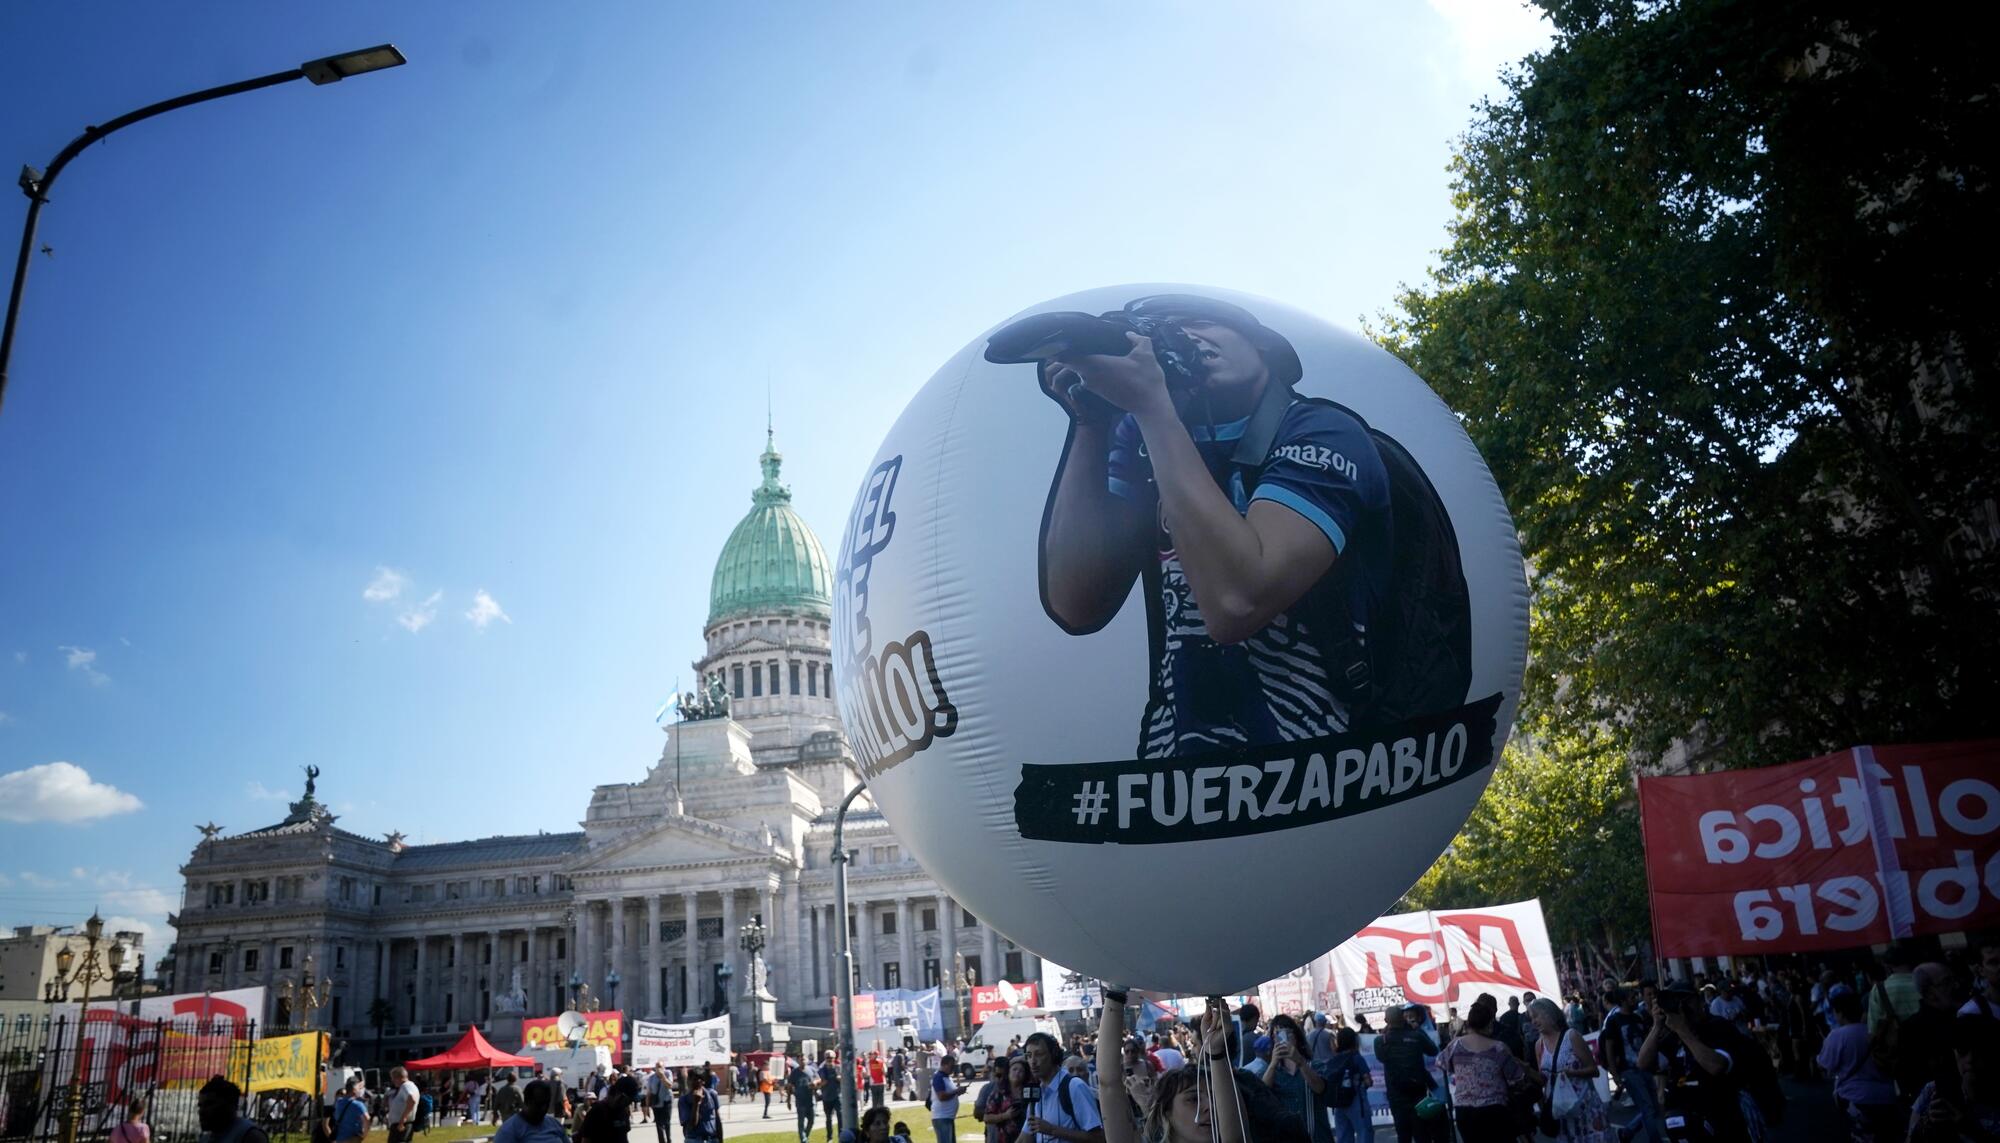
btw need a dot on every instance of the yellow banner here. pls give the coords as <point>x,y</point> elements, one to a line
<point>288,1062</point>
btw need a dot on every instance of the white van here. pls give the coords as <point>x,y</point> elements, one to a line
<point>998,1031</point>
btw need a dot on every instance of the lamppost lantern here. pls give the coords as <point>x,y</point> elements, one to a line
<point>65,957</point>
<point>93,966</point>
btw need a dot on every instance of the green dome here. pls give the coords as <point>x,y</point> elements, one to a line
<point>772,563</point>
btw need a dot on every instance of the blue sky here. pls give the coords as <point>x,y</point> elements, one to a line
<point>502,321</point>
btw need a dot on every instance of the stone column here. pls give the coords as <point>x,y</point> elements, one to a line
<point>989,952</point>
<point>691,1003</point>
<point>581,946</point>
<point>498,978</point>
<point>795,976</point>
<point>423,991</point>
<point>455,977</point>
<point>616,961</point>
<point>1031,966</point>
<point>730,955</point>
<point>948,965</point>
<point>911,976</point>
<point>656,1003</point>
<point>818,951</point>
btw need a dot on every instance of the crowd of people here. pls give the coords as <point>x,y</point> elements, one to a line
<point>1906,1048</point>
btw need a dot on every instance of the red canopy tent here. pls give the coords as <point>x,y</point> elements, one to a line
<point>473,1051</point>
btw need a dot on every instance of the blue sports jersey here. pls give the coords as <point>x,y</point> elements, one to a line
<point>1274,686</point>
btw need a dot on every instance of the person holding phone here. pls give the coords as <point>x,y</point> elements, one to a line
<point>1180,1106</point>
<point>1288,1073</point>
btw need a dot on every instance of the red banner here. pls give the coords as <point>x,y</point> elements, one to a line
<point>986,999</point>
<point>1851,849</point>
<point>864,1011</point>
<point>605,1029</point>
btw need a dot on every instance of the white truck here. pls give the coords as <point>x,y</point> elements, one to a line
<point>999,1030</point>
<point>575,1060</point>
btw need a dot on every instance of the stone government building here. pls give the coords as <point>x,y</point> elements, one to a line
<point>656,885</point>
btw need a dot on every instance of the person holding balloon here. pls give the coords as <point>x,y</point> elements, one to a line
<point>1195,1103</point>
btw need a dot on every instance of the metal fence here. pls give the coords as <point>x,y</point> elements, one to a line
<point>65,1079</point>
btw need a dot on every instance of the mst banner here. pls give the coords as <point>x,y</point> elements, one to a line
<point>680,1045</point>
<point>1436,958</point>
<point>603,1029</point>
<point>1854,848</point>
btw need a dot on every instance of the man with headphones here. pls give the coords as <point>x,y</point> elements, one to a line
<point>1258,520</point>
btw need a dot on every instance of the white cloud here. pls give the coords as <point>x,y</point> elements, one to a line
<point>121,923</point>
<point>485,609</point>
<point>1488,35</point>
<point>257,791</point>
<point>84,659</point>
<point>387,585</point>
<point>20,656</point>
<point>5,718</point>
<point>59,792</point>
<point>417,618</point>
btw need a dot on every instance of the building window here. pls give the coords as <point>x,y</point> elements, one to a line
<point>487,950</point>
<point>250,960</point>
<point>256,891</point>
<point>524,953</point>
<point>451,955</point>
<point>970,922</point>
<point>285,957</point>
<point>756,679</point>
<point>672,930</point>
<point>931,973</point>
<point>215,964</point>
<point>888,926</point>
<point>795,678</point>
<point>930,923</point>
<point>708,928</point>
<point>347,888</point>
<point>892,975</point>
<point>339,959</point>
<point>737,670</point>
<point>562,948</point>
<point>776,685</point>
<point>222,894</point>
<point>378,894</point>
<point>1014,965</point>
<point>812,678</point>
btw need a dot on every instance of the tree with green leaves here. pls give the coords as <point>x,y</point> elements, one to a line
<point>1718,307</point>
<point>1557,821</point>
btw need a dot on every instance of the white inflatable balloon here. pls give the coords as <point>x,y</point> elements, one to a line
<point>1045,716</point>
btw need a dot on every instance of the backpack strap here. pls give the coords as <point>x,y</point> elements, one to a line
<point>1062,1096</point>
<point>1254,446</point>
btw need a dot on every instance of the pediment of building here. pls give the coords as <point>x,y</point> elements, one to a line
<point>674,839</point>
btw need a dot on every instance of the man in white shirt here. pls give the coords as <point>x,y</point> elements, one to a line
<point>1169,1056</point>
<point>402,1106</point>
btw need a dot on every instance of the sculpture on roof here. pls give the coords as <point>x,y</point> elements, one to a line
<point>312,775</point>
<point>710,702</point>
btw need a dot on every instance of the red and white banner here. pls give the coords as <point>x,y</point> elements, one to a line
<point>1441,958</point>
<point>987,999</point>
<point>1849,849</point>
<point>601,1029</point>
<point>864,1011</point>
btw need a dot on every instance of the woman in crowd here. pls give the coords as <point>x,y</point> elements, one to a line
<point>533,1123</point>
<point>1289,1074</point>
<point>1482,1071</point>
<point>999,1106</point>
<point>1566,1071</point>
<point>1197,1103</point>
<point>875,1125</point>
<point>1352,1122</point>
<point>133,1129</point>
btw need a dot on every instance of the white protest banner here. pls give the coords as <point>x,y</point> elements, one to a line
<point>680,1045</point>
<point>1442,958</point>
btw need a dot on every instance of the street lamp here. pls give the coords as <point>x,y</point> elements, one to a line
<point>961,987</point>
<point>307,993</point>
<point>845,981</point>
<point>580,999</point>
<point>35,184</point>
<point>87,971</point>
<point>752,942</point>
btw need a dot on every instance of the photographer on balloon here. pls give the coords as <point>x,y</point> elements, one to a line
<point>1192,464</point>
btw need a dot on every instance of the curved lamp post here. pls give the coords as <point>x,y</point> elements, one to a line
<point>35,184</point>
<point>87,971</point>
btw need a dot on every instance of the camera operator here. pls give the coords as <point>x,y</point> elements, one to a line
<point>1696,1052</point>
<point>1252,641</point>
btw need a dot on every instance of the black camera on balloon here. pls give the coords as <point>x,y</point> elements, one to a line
<point>1041,338</point>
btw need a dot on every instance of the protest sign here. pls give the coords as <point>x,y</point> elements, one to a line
<point>1856,848</point>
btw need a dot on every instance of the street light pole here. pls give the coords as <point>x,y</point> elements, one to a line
<point>35,184</point>
<point>846,974</point>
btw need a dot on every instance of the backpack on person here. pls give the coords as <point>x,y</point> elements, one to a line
<point>1346,1086</point>
<point>1417,659</point>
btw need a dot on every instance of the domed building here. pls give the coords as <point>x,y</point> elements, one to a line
<point>644,908</point>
